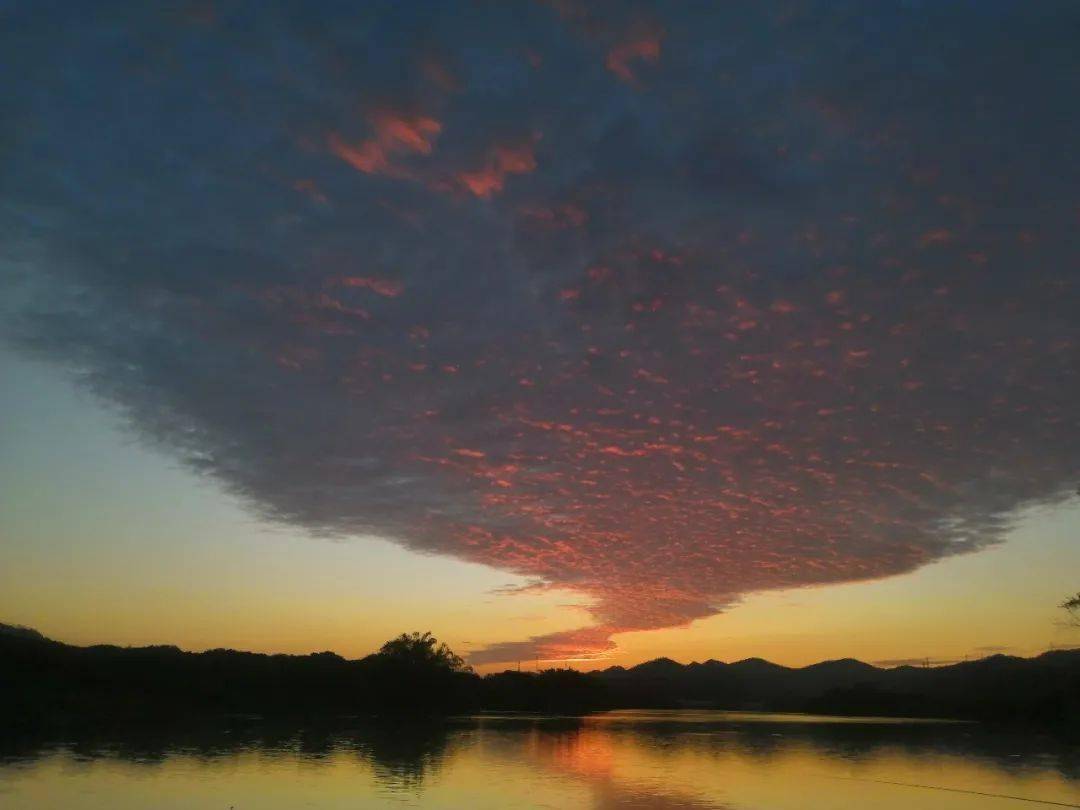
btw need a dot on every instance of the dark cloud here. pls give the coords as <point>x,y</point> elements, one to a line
<point>658,305</point>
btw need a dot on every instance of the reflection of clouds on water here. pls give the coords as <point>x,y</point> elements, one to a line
<point>644,762</point>
<point>594,763</point>
<point>590,754</point>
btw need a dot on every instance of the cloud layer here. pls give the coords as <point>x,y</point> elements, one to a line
<point>661,306</point>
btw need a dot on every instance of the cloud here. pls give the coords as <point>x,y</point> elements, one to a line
<point>500,162</point>
<point>395,134</point>
<point>802,310</point>
<point>380,286</point>
<point>642,45</point>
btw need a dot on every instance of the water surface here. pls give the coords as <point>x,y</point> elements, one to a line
<point>701,759</point>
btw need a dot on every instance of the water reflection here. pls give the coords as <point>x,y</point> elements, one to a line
<point>591,755</point>
<point>619,760</point>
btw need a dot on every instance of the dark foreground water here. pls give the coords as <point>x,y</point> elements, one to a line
<point>615,760</point>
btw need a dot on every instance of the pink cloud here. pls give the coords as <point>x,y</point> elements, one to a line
<point>501,161</point>
<point>394,134</point>
<point>642,45</point>
<point>386,287</point>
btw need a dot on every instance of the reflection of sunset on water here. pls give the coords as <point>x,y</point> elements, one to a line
<point>654,761</point>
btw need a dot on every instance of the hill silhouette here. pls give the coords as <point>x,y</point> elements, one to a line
<point>1043,689</point>
<point>45,681</point>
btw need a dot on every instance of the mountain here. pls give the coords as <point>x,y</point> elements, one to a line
<point>43,678</point>
<point>1044,689</point>
<point>18,631</point>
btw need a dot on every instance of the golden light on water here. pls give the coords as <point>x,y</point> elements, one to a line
<point>653,761</point>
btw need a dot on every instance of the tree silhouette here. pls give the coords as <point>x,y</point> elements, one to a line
<point>1072,607</point>
<point>422,651</point>
<point>416,674</point>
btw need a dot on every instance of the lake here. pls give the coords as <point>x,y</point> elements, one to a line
<point>626,759</point>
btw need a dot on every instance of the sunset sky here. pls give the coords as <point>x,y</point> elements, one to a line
<point>572,331</point>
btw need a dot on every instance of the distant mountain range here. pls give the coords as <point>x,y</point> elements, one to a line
<point>1045,687</point>
<point>41,678</point>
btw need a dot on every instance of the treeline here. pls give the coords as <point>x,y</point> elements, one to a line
<point>42,680</point>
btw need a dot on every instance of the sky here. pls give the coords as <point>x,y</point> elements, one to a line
<point>574,332</point>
